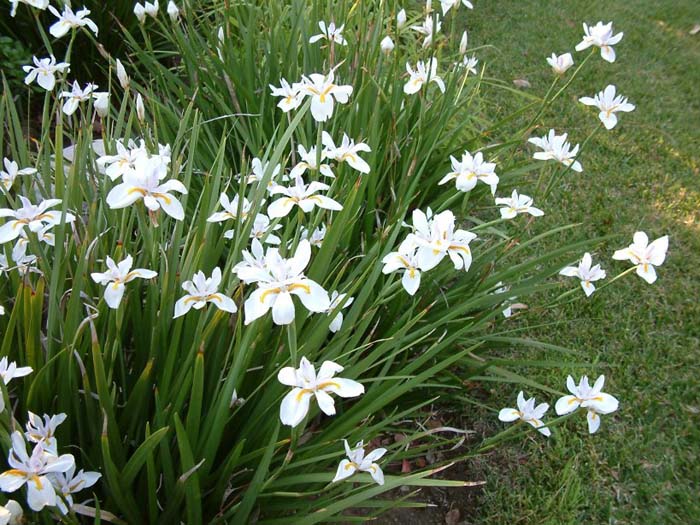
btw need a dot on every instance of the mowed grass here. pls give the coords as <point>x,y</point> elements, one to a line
<point>642,466</point>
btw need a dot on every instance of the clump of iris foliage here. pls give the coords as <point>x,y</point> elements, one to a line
<point>177,401</point>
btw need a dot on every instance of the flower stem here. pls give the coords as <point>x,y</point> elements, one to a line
<point>292,339</point>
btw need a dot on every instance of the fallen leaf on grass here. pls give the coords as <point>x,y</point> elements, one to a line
<point>452,517</point>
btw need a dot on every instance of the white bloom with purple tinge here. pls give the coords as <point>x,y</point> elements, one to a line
<point>517,204</point>
<point>69,483</point>
<point>357,462</point>
<point>233,209</point>
<point>556,147</point>
<point>428,29</point>
<point>560,64</point>
<point>34,472</point>
<point>75,96</point>
<point>290,95</point>
<point>201,291</point>
<point>348,151</point>
<point>144,183</point>
<point>310,160</point>
<point>424,72</point>
<point>34,217</point>
<point>324,93</point>
<point>117,276</point>
<point>608,103</point>
<point>527,412</point>
<point>315,237</point>
<point>278,280</point>
<point>329,32</point>
<point>600,35</point>
<point>434,237</point>
<point>44,72</point>
<point>68,20</point>
<point>262,229</point>
<point>7,177</point>
<point>585,273</point>
<point>592,399</point>
<point>338,301</point>
<point>644,255</point>
<point>307,384</point>
<point>469,170</point>
<point>302,195</point>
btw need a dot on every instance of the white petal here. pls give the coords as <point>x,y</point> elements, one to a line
<point>608,53</point>
<point>327,203</point>
<point>113,294</point>
<point>9,231</point>
<point>569,271</point>
<point>122,196</point>
<point>329,369</point>
<point>288,376</point>
<point>344,387</point>
<point>223,303</point>
<point>647,272</point>
<point>321,111</point>
<point>325,403</point>
<point>411,281</point>
<point>10,481</point>
<point>182,306</point>
<point>658,250</point>
<point>593,422</point>
<point>429,258</point>
<point>313,296</point>
<point>280,208</point>
<point>566,405</point>
<point>294,407</point>
<point>588,288</point>
<point>376,473</point>
<point>283,309</point>
<point>609,120</point>
<point>345,469</point>
<point>258,304</point>
<point>603,403</point>
<point>171,206</point>
<point>40,493</point>
<point>46,80</point>
<point>508,414</point>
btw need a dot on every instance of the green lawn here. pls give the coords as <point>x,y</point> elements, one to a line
<point>642,466</point>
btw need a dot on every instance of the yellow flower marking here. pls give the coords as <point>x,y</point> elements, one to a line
<point>320,386</point>
<point>37,481</point>
<point>305,287</point>
<point>205,298</point>
<point>14,472</point>
<point>325,93</point>
<point>143,192</point>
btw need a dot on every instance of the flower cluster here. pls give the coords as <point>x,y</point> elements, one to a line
<point>285,207</point>
<point>50,478</point>
<point>432,238</point>
<point>582,395</point>
<point>321,89</point>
